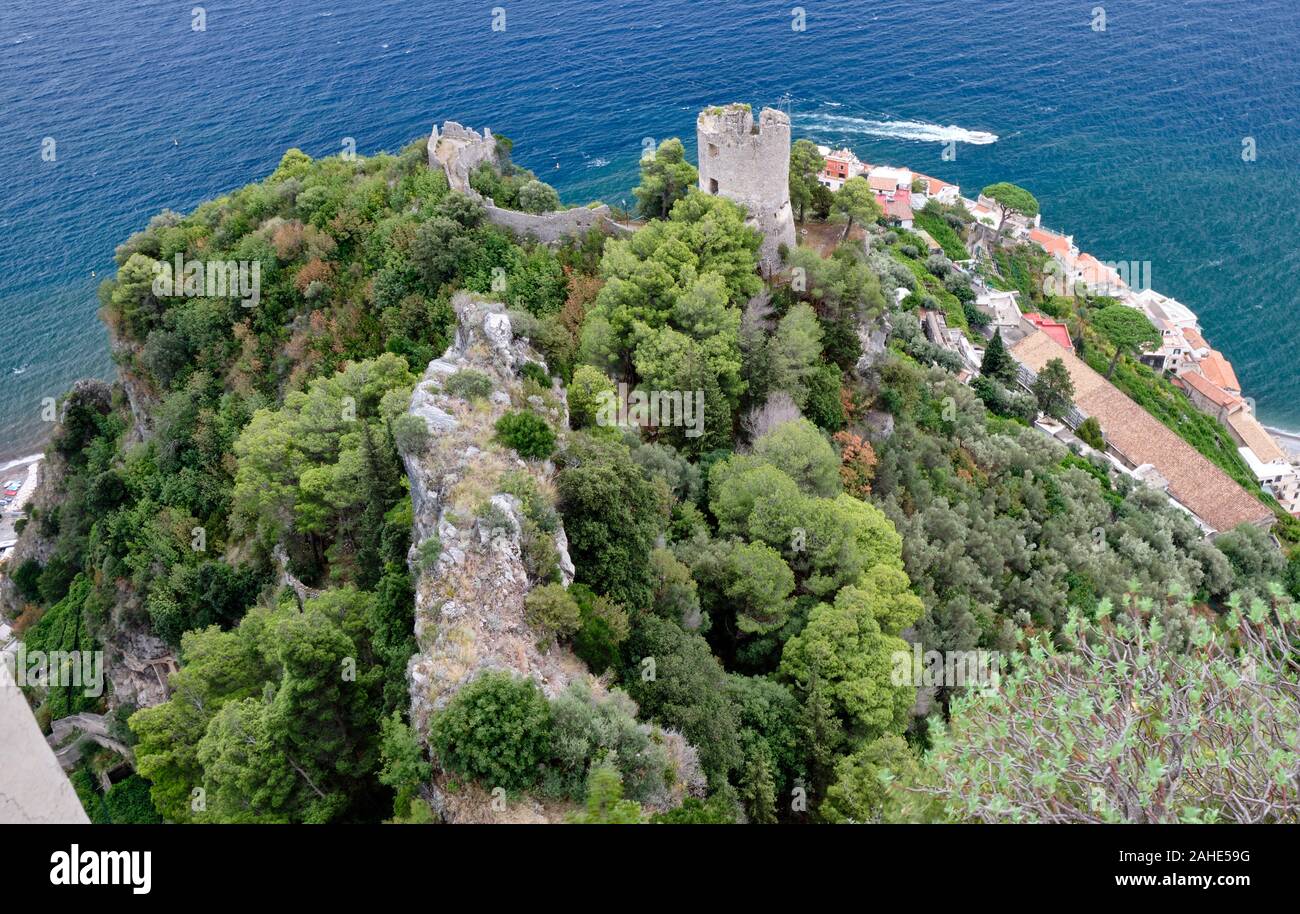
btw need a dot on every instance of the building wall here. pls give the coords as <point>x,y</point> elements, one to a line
<point>750,164</point>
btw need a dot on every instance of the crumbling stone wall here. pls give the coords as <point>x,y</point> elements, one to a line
<point>458,151</point>
<point>552,227</point>
<point>750,164</point>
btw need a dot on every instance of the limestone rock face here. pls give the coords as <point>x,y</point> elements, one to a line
<point>467,559</point>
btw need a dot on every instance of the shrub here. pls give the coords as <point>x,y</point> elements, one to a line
<point>497,730</point>
<point>586,393</point>
<point>532,371</point>
<point>824,406</point>
<point>551,609</point>
<point>587,732</point>
<point>410,434</point>
<point>468,385</point>
<point>1090,433</point>
<point>27,580</point>
<point>603,627</point>
<point>528,433</point>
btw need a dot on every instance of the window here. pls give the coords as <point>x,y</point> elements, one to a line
<point>713,185</point>
<point>713,151</point>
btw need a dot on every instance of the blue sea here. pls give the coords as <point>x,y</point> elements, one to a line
<point>1131,137</point>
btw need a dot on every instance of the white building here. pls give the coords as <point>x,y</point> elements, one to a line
<point>1278,477</point>
<point>887,180</point>
<point>1002,307</point>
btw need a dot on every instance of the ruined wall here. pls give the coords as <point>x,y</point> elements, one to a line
<point>549,228</point>
<point>750,164</point>
<point>458,151</point>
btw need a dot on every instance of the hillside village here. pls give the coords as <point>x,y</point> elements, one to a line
<point>1137,443</point>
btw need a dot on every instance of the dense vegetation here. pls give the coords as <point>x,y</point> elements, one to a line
<point>748,583</point>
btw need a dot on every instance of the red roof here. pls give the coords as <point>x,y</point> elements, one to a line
<point>900,207</point>
<point>1059,333</point>
<point>1052,243</point>
<point>1219,371</point>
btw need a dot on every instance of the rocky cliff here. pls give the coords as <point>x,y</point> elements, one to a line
<point>467,556</point>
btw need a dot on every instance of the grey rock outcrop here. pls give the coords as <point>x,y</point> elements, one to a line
<point>468,553</point>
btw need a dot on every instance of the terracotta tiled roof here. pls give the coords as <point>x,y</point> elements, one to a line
<point>1219,371</point>
<point>1055,329</point>
<point>1194,339</point>
<point>1196,482</point>
<point>934,185</point>
<point>1212,392</point>
<point>1253,436</point>
<point>1052,243</point>
<point>899,208</point>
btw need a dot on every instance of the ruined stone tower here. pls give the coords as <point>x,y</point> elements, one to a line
<point>751,165</point>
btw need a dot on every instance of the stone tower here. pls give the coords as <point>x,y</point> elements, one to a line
<point>751,165</point>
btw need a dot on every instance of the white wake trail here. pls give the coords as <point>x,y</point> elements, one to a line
<point>901,130</point>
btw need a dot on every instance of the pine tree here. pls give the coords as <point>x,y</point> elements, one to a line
<point>997,362</point>
<point>822,735</point>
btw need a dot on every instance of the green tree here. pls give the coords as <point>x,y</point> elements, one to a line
<point>800,450</point>
<point>612,515</point>
<point>997,362</point>
<point>795,352</point>
<point>1125,328</point>
<point>855,202</point>
<point>1011,198</point>
<point>666,177</point>
<point>537,197</point>
<point>675,679</point>
<point>864,790</point>
<point>1053,389</point>
<point>806,163</point>
<point>1090,433</point>
<point>404,766</point>
<point>496,730</point>
<point>603,627</point>
<point>589,391</point>
<point>605,803</point>
<point>843,646</point>
<point>758,585</point>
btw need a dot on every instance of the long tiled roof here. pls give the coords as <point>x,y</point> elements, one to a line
<point>1196,482</point>
<point>1253,435</point>
<point>1212,392</point>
